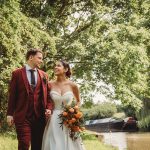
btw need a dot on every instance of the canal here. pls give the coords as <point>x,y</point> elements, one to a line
<point>127,141</point>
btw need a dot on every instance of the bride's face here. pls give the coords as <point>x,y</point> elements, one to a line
<point>59,69</point>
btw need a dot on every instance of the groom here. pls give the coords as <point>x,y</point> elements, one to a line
<point>29,103</point>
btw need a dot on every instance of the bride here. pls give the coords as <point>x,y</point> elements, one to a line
<point>62,91</point>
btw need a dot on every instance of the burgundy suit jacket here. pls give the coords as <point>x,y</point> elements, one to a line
<point>19,94</point>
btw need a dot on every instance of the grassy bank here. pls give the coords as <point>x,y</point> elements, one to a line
<point>9,142</point>
<point>92,143</point>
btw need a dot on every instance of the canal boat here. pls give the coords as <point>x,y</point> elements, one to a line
<point>112,125</point>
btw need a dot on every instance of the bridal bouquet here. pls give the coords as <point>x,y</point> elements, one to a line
<point>73,119</point>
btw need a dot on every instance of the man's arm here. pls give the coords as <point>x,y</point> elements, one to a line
<point>50,103</point>
<point>11,99</point>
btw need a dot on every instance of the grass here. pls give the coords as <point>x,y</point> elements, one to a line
<point>96,145</point>
<point>8,142</point>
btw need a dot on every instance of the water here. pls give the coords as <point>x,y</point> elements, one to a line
<point>128,141</point>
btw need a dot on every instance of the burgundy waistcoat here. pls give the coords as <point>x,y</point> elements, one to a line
<point>35,106</point>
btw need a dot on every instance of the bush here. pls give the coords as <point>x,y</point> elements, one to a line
<point>144,123</point>
<point>143,117</point>
<point>103,110</point>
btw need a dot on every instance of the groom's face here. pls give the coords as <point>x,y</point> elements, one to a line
<point>37,60</point>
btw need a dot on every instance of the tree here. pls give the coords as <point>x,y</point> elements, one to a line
<point>17,33</point>
<point>104,40</point>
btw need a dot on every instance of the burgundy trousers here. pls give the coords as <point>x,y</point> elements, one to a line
<point>30,132</point>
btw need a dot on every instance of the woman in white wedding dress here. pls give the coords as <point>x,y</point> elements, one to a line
<point>62,92</point>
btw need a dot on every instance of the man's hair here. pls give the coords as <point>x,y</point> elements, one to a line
<point>32,52</point>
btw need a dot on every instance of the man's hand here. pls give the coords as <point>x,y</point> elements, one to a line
<point>10,120</point>
<point>47,113</point>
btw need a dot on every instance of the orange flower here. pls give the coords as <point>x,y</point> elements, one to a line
<point>73,120</point>
<point>70,122</point>
<point>79,115</point>
<point>65,113</point>
<point>76,107</point>
<point>75,128</point>
<point>71,110</point>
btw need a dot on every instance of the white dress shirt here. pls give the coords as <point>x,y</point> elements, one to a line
<point>28,68</point>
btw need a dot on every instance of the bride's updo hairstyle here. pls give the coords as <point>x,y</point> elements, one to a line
<point>66,66</point>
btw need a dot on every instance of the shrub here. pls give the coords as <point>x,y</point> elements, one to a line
<point>144,119</point>
<point>99,111</point>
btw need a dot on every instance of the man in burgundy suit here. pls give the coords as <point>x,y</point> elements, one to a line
<point>29,102</point>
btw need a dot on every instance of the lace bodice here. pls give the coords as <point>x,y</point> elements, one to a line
<point>59,99</point>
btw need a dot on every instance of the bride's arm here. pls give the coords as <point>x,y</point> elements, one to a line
<point>76,93</point>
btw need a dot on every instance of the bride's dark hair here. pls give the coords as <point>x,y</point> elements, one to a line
<point>66,66</point>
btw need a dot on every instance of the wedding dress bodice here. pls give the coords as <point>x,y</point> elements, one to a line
<point>59,99</point>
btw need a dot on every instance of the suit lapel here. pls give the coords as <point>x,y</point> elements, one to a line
<point>38,81</point>
<point>43,84</point>
<point>24,75</point>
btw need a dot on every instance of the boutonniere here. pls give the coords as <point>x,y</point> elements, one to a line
<point>44,79</point>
